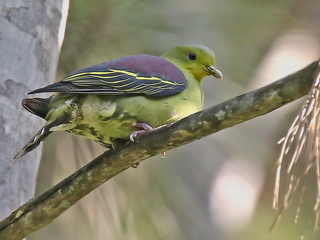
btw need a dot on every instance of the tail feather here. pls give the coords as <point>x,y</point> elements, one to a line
<point>37,106</point>
<point>34,142</point>
<point>42,134</point>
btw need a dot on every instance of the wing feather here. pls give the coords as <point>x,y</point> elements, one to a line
<point>124,76</point>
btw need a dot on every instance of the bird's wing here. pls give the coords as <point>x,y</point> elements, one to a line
<point>137,74</point>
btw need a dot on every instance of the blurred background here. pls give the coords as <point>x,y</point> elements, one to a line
<point>220,187</point>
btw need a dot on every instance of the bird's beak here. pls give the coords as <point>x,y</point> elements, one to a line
<point>215,72</point>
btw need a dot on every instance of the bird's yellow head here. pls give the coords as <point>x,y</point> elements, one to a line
<point>198,60</point>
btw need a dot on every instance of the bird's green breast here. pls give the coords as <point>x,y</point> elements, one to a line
<point>101,117</point>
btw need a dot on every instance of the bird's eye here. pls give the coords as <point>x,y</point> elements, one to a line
<point>192,56</point>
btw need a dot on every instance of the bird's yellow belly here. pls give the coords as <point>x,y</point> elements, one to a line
<point>104,118</point>
<point>116,119</point>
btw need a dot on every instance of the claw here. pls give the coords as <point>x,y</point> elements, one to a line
<point>135,134</point>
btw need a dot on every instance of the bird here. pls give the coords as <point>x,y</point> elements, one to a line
<point>119,99</point>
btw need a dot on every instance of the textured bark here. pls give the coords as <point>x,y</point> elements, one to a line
<point>40,211</point>
<point>30,39</point>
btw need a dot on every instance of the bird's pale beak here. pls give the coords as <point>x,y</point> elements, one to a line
<point>215,72</point>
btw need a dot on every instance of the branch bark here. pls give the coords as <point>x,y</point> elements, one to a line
<point>41,210</point>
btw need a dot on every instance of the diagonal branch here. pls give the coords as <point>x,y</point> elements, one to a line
<point>40,211</point>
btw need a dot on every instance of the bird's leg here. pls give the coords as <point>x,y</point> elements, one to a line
<point>144,128</point>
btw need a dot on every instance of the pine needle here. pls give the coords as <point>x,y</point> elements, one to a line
<point>299,158</point>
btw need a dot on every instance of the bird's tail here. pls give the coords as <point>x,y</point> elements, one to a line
<point>42,134</point>
<point>40,107</point>
<point>34,141</point>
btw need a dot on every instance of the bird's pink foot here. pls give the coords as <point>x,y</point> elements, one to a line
<point>144,128</point>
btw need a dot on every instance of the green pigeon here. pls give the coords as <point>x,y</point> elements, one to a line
<point>119,99</point>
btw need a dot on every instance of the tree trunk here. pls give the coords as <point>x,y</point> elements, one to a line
<point>31,33</point>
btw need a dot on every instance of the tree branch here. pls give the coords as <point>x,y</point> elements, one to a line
<point>40,211</point>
